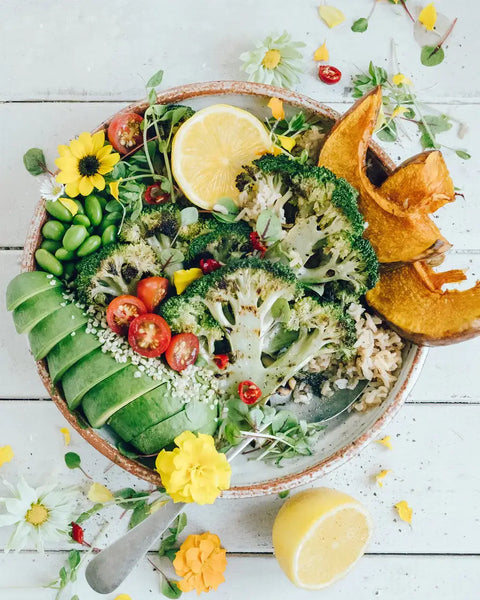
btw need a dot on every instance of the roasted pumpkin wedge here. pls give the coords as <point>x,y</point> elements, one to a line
<point>411,300</point>
<point>394,238</point>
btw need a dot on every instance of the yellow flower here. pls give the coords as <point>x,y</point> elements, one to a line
<point>405,512</point>
<point>123,597</point>
<point>194,471</point>
<point>66,435</point>
<point>70,205</point>
<point>183,278</point>
<point>330,15</point>
<point>84,162</point>
<point>114,185</point>
<point>380,476</point>
<point>99,493</point>
<point>286,142</point>
<point>401,79</point>
<point>201,561</point>
<point>322,53</point>
<point>385,442</point>
<point>276,106</point>
<point>6,454</point>
<point>399,110</point>
<point>428,16</point>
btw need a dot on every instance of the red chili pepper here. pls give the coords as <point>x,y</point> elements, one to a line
<point>221,360</point>
<point>257,243</point>
<point>249,392</point>
<point>155,195</point>
<point>329,74</point>
<point>77,533</point>
<point>208,265</point>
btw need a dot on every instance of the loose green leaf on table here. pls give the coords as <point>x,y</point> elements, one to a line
<point>72,460</point>
<point>360,25</point>
<point>34,161</point>
<point>169,588</point>
<point>431,56</point>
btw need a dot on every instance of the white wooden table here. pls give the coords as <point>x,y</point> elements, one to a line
<point>64,67</point>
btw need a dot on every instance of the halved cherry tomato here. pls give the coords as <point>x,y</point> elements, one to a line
<point>257,243</point>
<point>209,265</point>
<point>155,195</point>
<point>151,291</point>
<point>124,132</point>
<point>249,392</point>
<point>183,351</point>
<point>221,360</point>
<point>149,335</point>
<point>122,311</point>
<point>329,74</point>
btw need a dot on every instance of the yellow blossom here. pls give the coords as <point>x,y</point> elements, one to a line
<point>276,106</point>
<point>405,512</point>
<point>330,15</point>
<point>194,471</point>
<point>385,441</point>
<point>277,150</point>
<point>322,53</point>
<point>286,142</point>
<point>66,435</point>
<point>6,454</point>
<point>184,277</point>
<point>399,110</point>
<point>380,476</point>
<point>84,162</point>
<point>201,562</point>
<point>401,79</point>
<point>113,186</point>
<point>70,205</point>
<point>99,493</point>
<point>123,597</point>
<point>428,16</point>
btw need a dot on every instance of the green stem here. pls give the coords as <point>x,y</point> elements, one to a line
<point>145,145</point>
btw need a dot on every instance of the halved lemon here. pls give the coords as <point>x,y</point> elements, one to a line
<point>318,536</point>
<point>210,149</point>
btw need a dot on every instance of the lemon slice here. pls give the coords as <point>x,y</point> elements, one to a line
<point>210,149</point>
<point>318,536</point>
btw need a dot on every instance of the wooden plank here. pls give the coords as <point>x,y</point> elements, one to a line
<point>114,62</point>
<point>428,443</point>
<point>392,577</point>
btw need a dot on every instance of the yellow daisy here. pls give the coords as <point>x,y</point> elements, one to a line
<point>84,162</point>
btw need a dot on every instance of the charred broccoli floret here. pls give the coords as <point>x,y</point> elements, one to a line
<point>227,241</point>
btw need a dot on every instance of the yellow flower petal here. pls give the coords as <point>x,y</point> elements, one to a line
<point>401,79</point>
<point>277,151</point>
<point>66,435</point>
<point>183,278</point>
<point>322,53</point>
<point>405,512</point>
<point>399,110</point>
<point>63,150</point>
<point>286,142</point>
<point>330,15</point>
<point>98,139</point>
<point>99,493</point>
<point>86,140</point>
<point>385,441</point>
<point>70,205</point>
<point>98,181</point>
<point>113,186</point>
<point>276,106</point>
<point>123,597</point>
<point>77,149</point>
<point>428,16</point>
<point>85,186</point>
<point>71,188</point>
<point>6,454</point>
<point>380,476</point>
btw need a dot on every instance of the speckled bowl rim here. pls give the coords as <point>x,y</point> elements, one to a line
<point>278,484</point>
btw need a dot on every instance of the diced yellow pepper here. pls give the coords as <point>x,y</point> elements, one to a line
<point>184,277</point>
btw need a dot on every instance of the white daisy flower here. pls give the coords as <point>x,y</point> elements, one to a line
<point>275,60</point>
<point>50,189</point>
<point>39,515</point>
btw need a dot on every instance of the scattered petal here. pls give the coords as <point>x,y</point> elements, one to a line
<point>113,185</point>
<point>66,435</point>
<point>70,205</point>
<point>6,454</point>
<point>385,441</point>
<point>123,597</point>
<point>322,53</point>
<point>156,505</point>
<point>428,16</point>
<point>99,493</point>
<point>286,142</point>
<point>405,512</point>
<point>330,15</point>
<point>380,476</point>
<point>184,277</point>
<point>398,111</point>
<point>401,79</point>
<point>276,106</point>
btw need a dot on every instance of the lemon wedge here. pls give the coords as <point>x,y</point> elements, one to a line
<point>318,536</point>
<point>210,149</point>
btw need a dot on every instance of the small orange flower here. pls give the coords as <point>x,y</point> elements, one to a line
<point>201,562</point>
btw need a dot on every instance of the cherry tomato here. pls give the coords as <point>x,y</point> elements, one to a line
<point>329,74</point>
<point>151,291</point>
<point>182,351</point>
<point>149,335</point>
<point>209,265</point>
<point>122,311</point>
<point>257,243</point>
<point>124,132</point>
<point>221,360</point>
<point>249,392</point>
<point>155,195</point>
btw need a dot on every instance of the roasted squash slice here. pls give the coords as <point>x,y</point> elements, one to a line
<point>411,301</point>
<point>394,238</point>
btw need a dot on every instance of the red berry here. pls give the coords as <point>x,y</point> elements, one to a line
<point>208,265</point>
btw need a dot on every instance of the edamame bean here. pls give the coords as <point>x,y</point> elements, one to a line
<point>103,202</point>
<point>63,254</point>
<point>48,262</point>
<point>81,210</point>
<point>109,234</point>
<point>53,230</point>
<point>81,220</point>
<point>68,270</point>
<point>93,210</point>
<point>93,243</point>
<point>51,245</point>
<point>110,219</point>
<point>74,237</point>
<point>58,211</point>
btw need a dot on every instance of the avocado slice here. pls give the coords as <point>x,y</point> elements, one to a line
<point>142,413</point>
<point>36,308</point>
<point>86,374</point>
<point>197,416</point>
<point>115,392</point>
<point>53,328</point>
<point>28,284</point>
<point>69,351</point>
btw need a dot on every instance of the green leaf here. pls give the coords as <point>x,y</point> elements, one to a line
<point>438,123</point>
<point>139,514</point>
<point>34,161</point>
<point>188,216</point>
<point>72,460</point>
<point>113,206</point>
<point>155,80</point>
<point>181,522</point>
<point>284,494</point>
<point>269,226</point>
<point>232,434</point>
<point>360,25</point>
<point>388,133</point>
<point>426,140</point>
<point>431,56</point>
<point>119,171</point>
<point>462,154</point>
<point>73,559</point>
<point>89,513</point>
<point>152,96</point>
<point>75,597</point>
<point>169,589</point>
<point>130,494</point>
<point>297,122</point>
<point>231,212</point>
<point>281,310</point>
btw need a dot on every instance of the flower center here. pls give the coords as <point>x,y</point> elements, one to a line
<point>37,515</point>
<point>88,165</point>
<point>271,59</point>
